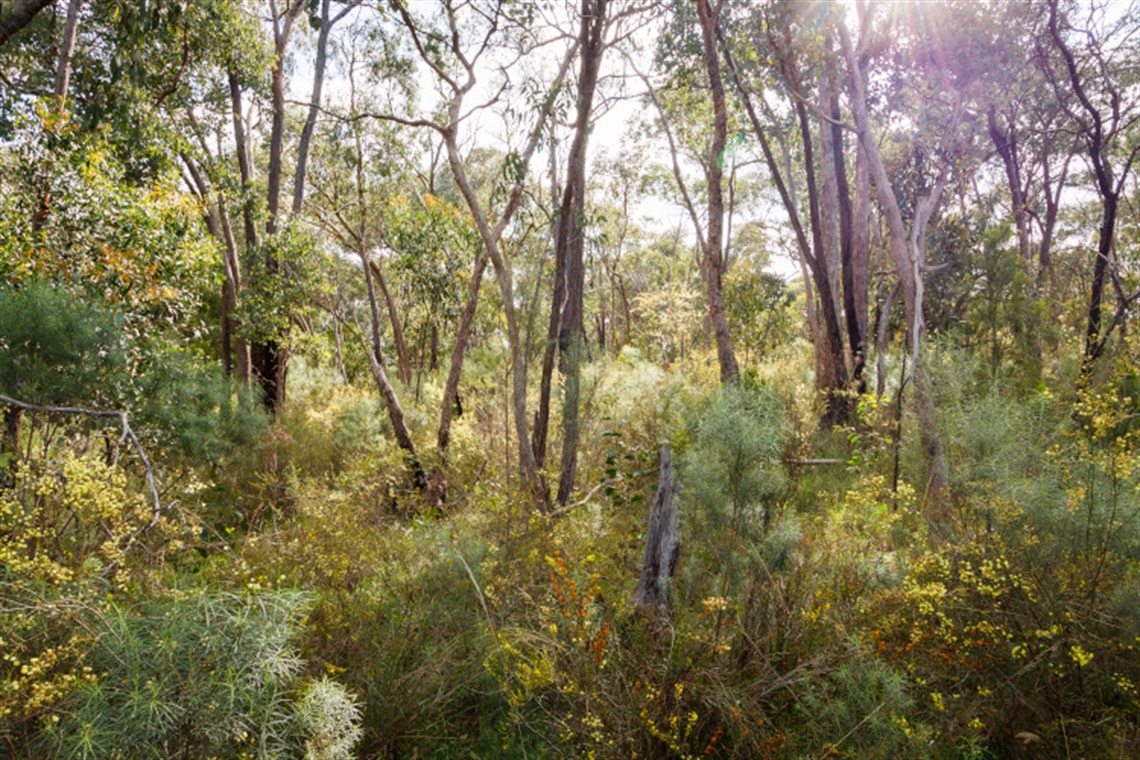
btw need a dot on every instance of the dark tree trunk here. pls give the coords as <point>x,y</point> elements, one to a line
<point>835,379</point>
<point>1005,143</point>
<point>18,14</point>
<point>851,306</point>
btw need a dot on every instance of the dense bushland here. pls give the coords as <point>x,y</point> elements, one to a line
<point>370,473</point>
<point>302,595</point>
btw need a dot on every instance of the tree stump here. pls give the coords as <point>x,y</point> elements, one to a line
<point>661,544</point>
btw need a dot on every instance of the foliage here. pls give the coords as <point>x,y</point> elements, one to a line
<point>199,674</point>
<point>757,305</point>
<point>71,219</point>
<point>54,350</point>
<point>283,591</point>
<point>329,717</point>
<point>287,279</point>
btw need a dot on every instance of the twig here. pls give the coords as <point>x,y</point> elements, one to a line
<point>815,461</point>
<point>586,498</point>
<point>475,583</point>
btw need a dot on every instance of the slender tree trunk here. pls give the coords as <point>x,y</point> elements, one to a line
<point>231,291</point>
<point>66,51</point>
<point>1005,143</point>
<point>825,328</point>
<point>245,168</point>
<point>1052,207</point>
<point>376,363</point>
<point>570,238</point>
<point>1097,131</point>
<point>458,353</point>
<point>527,464</point>
<point>712,264</point>
<point>218,225</point>
<point>62,74</point>
<point>270,355</point>
<point>908,255</point>
<point>884,340</point>
<point>1093,343</point>
<point>490,238</point>
<point>830,222</point>
<point>314,109</point>
<point>403,356</point>
<point>849,263</point>
<point>861,243</point>
<point>554,329</point>
<point>835,372</point>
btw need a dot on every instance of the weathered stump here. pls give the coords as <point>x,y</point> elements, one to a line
<point>661,544</point>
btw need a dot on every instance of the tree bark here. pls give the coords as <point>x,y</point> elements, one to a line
<point>245,169</point>
<point>314,109</point>
<point>849,263</point>
<point>907,251</point>
<point>403,357</point>
<point>713,261</point>
<point>391,401</point>
<point>491,237</point>
<point>825,328</point>
<point>17,15</point>
<point>1005,143</point>
<point>591,46</point>
<point>662,545</point>
<point>834,378</point>
<point>66,51</point>
<point>1098,131</point>
<point>861,243</point>
<point>270,356</point>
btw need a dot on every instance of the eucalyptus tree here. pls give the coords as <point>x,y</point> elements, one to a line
<point>687,53</point>
<point>939,91</point>
<point>361,167</point>
<point>779,43</point>
<point>1095,83</point>
<point>601,25</point>
<point>456,44</point>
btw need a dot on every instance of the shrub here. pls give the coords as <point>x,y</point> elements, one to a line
<point>329,719</point>
<point>199,674</point>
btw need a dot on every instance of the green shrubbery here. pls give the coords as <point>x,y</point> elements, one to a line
<point>814,612</point>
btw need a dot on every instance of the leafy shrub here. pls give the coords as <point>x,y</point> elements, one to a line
<point>55,349</point>
<point>200,674</point>
<point>329,719</point>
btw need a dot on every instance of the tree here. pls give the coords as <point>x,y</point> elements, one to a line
<point>1106,111</point>
<point>458,76</point>
<point>908,250</point>
<point>831,248</point>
